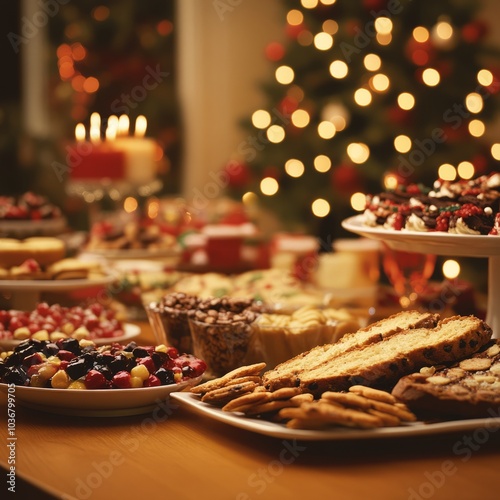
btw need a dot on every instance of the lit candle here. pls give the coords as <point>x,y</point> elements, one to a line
<point>95,121</point>
<point>140,163</point>
<point>111,131</point>
<point>95,134</point>
<point>80,132</point>
<point>112,124</point>
<point>140,126</point>
<point>123,125</point>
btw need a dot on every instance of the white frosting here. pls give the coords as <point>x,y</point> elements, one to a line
<point>444,191</point>
<point>462,228</point>
<point>493,181</point>
<point>488,210</point>
<point>389,223</point>
<point>415,223</point>
<point>370,218</point>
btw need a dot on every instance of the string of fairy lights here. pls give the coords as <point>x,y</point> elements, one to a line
<point>335,117</point>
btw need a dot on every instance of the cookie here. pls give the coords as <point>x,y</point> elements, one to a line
<point>243,371</point>
<point>371,393</point>
<point>347,399</point>
<point>332,414</point>
<point>223,395</point>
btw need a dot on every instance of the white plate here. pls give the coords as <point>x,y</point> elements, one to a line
<point>438,243</point>
<point>130,331</point>
<point>54,285</point>
<point>30,228</point>
<point>96,402</point>
<point>334,434</point>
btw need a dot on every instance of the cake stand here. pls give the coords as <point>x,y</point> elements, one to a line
<point>25,294</point>
<point>438,243</point>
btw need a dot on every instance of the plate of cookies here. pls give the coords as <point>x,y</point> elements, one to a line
<point>407,375</point>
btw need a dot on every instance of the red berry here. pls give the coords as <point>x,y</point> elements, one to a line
<point>172,352</point>
<point>148,363</point>
<point>122,380</point>
<point>33,359</point>
<point>65,355</point>
<point>95,380</point>
<point>152,381</point>
<point>43,309</point>
<point>399,222</point>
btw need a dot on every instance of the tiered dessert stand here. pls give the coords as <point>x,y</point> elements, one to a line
<point>438,243</point>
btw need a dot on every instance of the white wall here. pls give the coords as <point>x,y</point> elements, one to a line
<point>221,61</point>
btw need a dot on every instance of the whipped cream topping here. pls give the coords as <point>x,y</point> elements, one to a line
<point>415,223</point>
<point>389,223</point>
<point>462,228</point>
<point>370,219</point>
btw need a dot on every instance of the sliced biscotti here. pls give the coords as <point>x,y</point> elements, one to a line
<point>468,389</point>
<point>382,363</point>
<point>322,355</point>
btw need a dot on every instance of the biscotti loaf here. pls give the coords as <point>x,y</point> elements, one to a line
<point>468,389</point>
<point>381,363</point>
<point>322,355</point>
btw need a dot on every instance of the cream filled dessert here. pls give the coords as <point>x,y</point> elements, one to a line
<point>458,207</point>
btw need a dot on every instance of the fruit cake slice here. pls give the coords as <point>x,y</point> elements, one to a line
<point>469,389</point>
<point>322,355</point>
<point>381,364</point>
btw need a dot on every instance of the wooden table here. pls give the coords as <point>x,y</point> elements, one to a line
<point>186,456</point>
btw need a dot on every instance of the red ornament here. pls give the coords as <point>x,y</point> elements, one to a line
<point>275,51</point>
<point>287,106</point>
<point>480,163</point>
<point>398,116</point>
<point>346,179</point>
<point>454,133</point>
<point>353,27</point>
<point>376,5</point>
<point>474,31</point>
<point>238,174</point>
<point>271,171</point>
<point>444,68</point>
<point>418,53</point>
<point>294,30</point>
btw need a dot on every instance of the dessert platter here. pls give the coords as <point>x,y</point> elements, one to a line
<point>129,331</point>
<point>280,431</point>
<point>132,239</point>
<point>34,265</point>
<point>358,388</point>
<point>95,323</point>
<point>26,294</point>
<point>99,402</point>
<point>73,377</point>
<point>455,219</point>
<point>29,214</point>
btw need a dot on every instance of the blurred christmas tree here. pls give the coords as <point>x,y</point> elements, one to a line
<point>367,94</point>
<point>114,58</point>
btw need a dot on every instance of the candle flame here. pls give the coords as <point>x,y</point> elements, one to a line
<point>95,134</point>
<point>95,120</point>
<point>123,125</point>
<point>113,121</point>
<point>140,126</point>
<point>111,132</point>
<point>80,132</point>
